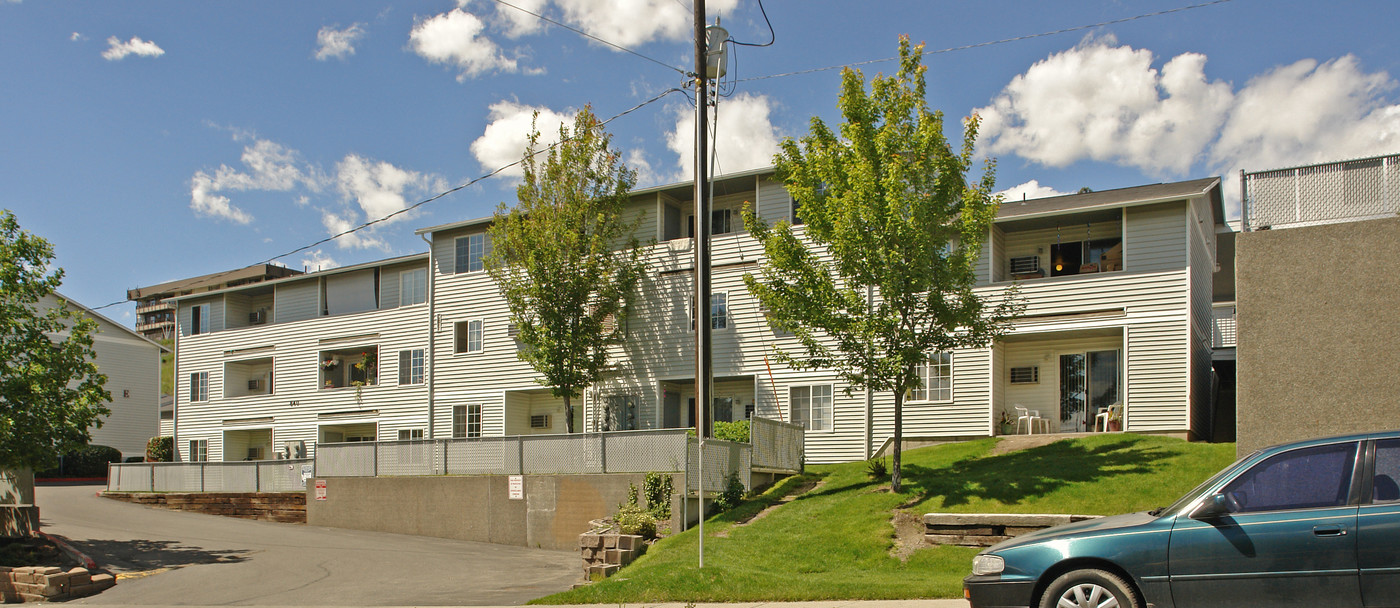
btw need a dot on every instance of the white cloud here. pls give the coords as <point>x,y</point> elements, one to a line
<point>646,175</point>
<point>267,166</point>
<point>457,38</point>
<point>744,136</point>
<point>505,139</point>
<point>76,37</point>
<point>1029,190</point>
<point>318,260</point>
<point>338,44</point>
<point>1105,102</point>
<point>519,23</point>
<point>378,189</point>
<point>118,50</point>
<point>633,22</point>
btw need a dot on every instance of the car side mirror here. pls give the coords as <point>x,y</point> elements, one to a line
<point>1216,505</point>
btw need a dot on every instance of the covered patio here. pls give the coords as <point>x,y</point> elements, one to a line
<point>1063,381</point>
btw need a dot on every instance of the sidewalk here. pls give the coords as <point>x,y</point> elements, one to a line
<point>830,604</point>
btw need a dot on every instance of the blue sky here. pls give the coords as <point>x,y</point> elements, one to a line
<point>156,140</point>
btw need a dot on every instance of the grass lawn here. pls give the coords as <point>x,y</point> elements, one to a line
<point>834,542</point>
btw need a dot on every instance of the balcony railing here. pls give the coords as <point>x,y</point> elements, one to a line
<point>1344,191</point>
<point>1223,330</point>
<point>154,307</point>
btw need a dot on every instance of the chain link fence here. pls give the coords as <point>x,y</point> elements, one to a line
<point>777,446</point>
<point>256,476</point>
<point>1350,190</point>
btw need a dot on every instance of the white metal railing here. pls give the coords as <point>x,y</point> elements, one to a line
<point>1223,329</point>
<point>253,476</point>
<point>1321,194</point>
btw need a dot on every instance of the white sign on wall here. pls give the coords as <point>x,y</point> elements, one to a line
<point>516,483</point>
<point>320,489</point>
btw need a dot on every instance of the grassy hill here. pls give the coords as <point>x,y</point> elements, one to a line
<point>835,540</point>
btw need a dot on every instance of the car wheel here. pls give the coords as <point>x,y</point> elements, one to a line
<point>1089,589</point>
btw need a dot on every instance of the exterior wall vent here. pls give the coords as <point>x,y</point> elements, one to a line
<point>1025,264</point>
<point>539,421</point>
<point>1025,375</point>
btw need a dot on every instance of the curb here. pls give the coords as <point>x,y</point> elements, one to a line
<point>82,558</point>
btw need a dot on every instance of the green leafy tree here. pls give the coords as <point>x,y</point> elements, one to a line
<point>50,390</point>
<point>566,260</point>
<point>884,278</point>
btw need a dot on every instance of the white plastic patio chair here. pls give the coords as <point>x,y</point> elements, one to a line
<point>1031,418</point>
<point>1106,413</point>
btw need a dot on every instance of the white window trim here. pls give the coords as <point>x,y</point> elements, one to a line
<point>728,312</point>
<point>951,388</point>
<point>465,267</point>
<point>203,379</point>
<point>831,420</point>
<point>422,369</point>
<point>195,447</point>
<point>467,348</point>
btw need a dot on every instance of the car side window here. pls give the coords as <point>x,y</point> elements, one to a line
<point>1385,488</point>
<point>1306,478</point>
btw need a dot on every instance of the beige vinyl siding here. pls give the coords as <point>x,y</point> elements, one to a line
<point>1158,376</point>
<point>991,264</point>
<point>297,301</point>
<point>214,308</point>
<point>1154,237</point>
<point>1000,379</point>
<point>391,282</point>
<point>132,367</point>
<point>1044,353</point>
<point>1202,268</point>
<point>299,402</point>
<point>771,201</point>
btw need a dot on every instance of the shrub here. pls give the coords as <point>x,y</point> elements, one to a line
<point>737,432</point>
<point>633,519</point>
<point>658,488</point>
<point>732,495</point>
<point>876,468</point>
<point>160,449</point>
<point>86,461</point>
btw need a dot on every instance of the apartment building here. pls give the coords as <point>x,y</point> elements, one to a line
<point>155,311</point>
<point>1118,288</point>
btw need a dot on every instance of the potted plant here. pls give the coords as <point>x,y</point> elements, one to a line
<point>1008,427</point>
<point>1115,420</point>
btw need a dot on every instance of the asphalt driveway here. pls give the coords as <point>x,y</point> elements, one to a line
<point>168,557</point>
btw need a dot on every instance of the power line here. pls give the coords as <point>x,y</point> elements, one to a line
<point>994,42</point>
<point>591,36</point>
<point>430,199</point>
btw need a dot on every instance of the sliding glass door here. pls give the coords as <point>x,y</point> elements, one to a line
<point>1088,381</point>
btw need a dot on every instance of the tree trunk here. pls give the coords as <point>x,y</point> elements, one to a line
<point>895,477</point>
<point>568,414</point>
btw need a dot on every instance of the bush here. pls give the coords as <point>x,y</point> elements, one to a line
<point>737,432</point>
<point>658,488</point>
<point>633,519</point>
<point>732,495</point>
<point>86,461</point>
<point>160,449</point>
<point>876,468</point>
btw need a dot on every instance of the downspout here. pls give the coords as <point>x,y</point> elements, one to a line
<point>432,336</point>
<point>175,389</point>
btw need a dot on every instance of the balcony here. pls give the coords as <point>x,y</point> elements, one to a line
<point>162,305</point>
<point>1056,247</point>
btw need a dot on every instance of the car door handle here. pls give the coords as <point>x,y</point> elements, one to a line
<point>1332,530</point>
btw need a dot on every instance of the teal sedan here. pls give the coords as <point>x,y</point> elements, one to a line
<point>1308,524</point>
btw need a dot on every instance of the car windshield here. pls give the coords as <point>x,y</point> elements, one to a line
<point>1191,496</point>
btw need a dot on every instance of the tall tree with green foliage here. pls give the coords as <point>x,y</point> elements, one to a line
<point>50,390</point>
<point>884,278</point>
<point>566,260</point>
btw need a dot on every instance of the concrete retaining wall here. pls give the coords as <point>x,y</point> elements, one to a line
<point>286,507</point>
<point>1318,321</point>
<point>553,511</point>
<point>987,529</point>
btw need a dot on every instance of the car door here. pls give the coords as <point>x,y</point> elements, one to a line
<point>1378,534</point>
<point>1288,537</point>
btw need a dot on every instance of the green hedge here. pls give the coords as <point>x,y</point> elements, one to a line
<point>87,461</point>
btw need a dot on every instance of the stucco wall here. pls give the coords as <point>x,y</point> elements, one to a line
<point>1319,331</point>
<point>554,511</point>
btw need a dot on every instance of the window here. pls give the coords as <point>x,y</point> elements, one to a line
<point>721,222</point>
<point>413,287</point>
<point>1385,488</point>
<point>468,336</point>
<point>719,311</point>
<point>1306,478</point>
<point>410,434</point>
<point>811,406</point>
<point>357,366</point>
<point>470,250</point>
<point>620,413</point>
<point>1079,257</point>
<point>936,377</point>
<point>199,450</point>
<point>199,319</point>
<point>199,386</point>
<point>411,366</point>
<point>466,420</point>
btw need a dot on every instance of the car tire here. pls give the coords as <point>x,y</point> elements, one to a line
<point>1089,589</point>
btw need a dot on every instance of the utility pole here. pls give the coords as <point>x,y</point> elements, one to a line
<point>704,370</point>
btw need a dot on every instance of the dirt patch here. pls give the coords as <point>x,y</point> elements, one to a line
<point>1012,443</point>
<point>908,534</point>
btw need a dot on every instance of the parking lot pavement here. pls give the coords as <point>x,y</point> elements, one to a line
<point>190,559</point>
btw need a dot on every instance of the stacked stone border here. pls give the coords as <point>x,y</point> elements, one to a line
<point>987,529</point>
<point>284,507</point>
<point>604,554</point>
<point>47,584</point>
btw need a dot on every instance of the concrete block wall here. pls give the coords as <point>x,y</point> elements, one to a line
<point>285,507</point>
<point>48,584</point>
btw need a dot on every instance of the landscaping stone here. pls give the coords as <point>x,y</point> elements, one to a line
<point>987,529</point>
